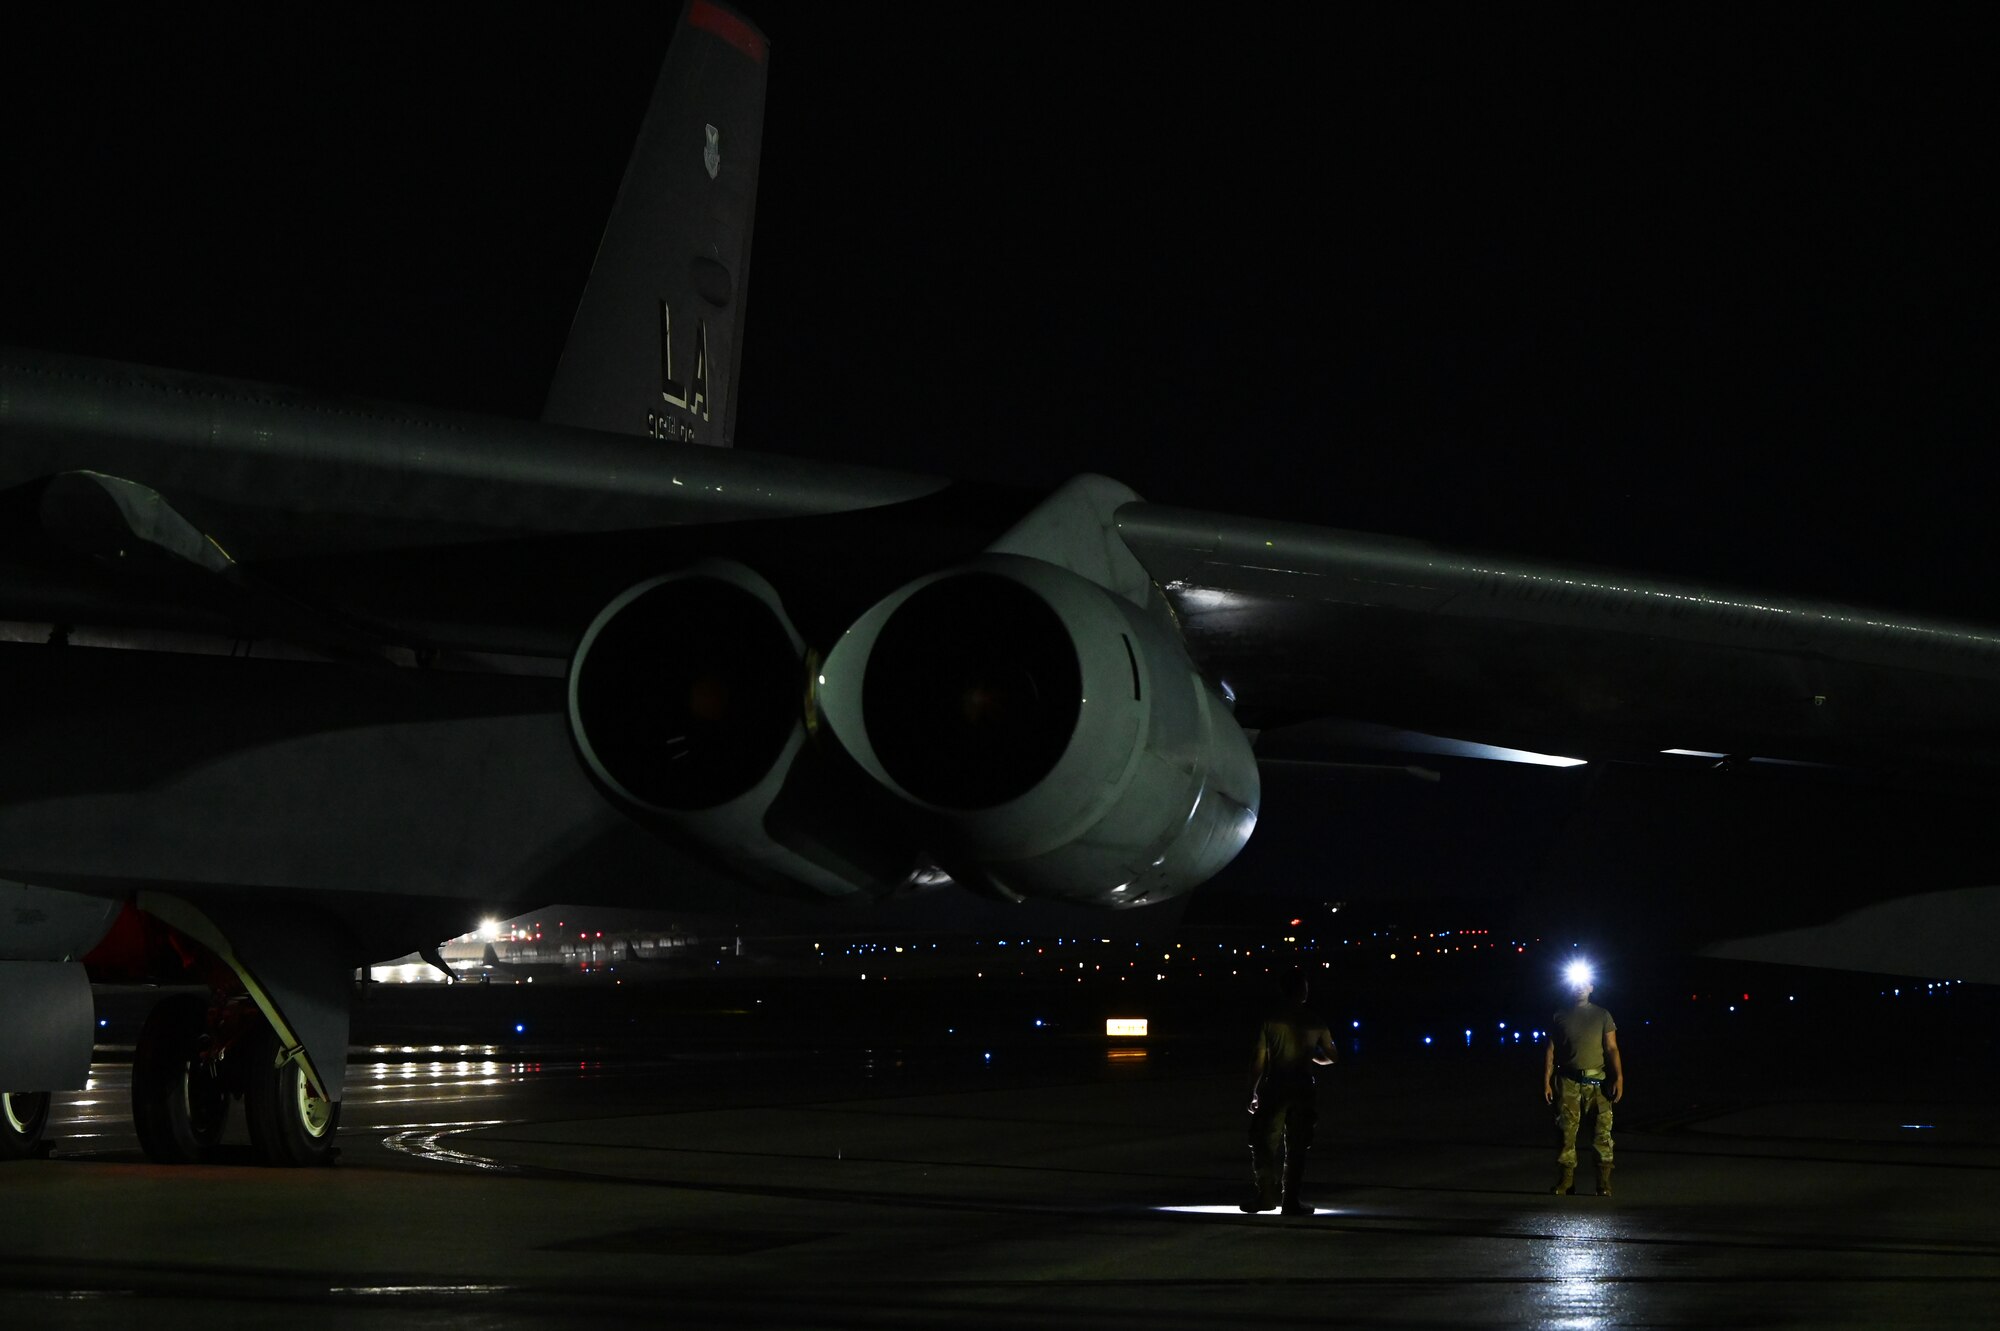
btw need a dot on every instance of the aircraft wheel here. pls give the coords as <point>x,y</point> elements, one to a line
<point>178,1106</point>
<point>23,1115</point>
<point>289,1123</point>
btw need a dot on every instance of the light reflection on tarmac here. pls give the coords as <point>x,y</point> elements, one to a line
<point>1583,1255</point>
<point>437,1086</point>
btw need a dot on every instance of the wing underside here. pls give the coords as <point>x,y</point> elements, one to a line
<point>1303,623</point>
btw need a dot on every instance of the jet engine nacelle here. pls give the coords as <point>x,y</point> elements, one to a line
<point>686,703</point>
<point>1054,740</point>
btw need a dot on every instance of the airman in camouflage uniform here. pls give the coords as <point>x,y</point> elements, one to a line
<point>1589,1046</point>
<point>1291,1042</point>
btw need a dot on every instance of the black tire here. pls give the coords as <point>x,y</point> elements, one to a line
<point>177,1106</point>
<point>23,1115</point>
<point>289,1125</point>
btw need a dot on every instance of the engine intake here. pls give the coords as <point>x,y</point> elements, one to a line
<point>685,689</point>
<point>1053,739</point>
<point>972,692</point>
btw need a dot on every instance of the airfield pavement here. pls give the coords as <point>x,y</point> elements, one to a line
<point>726,1170</point>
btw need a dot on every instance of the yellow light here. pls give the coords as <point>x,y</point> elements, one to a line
<point>1125,1026</point>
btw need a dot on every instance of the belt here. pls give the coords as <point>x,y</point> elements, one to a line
<point>1583,1077</point>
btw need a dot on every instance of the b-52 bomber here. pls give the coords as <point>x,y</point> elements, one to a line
<point>604,656</point>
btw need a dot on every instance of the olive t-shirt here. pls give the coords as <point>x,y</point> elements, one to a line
<point>1579,1033</point>
<point>1287,1041</point>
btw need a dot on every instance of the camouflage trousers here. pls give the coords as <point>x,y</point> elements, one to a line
<point>1573,1101</point>
<point>1281,1133</point>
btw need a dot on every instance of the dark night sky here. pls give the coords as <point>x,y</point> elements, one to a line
<point>1676,294</point>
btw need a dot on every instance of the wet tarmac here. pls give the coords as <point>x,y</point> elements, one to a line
<point>733,1175</point>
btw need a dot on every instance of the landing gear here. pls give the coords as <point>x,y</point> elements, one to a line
<point>290,1123</point>
<point>179,1102</point>
<point>23,1115</point>
<point>194,1056</point>
<point>213,1040</point>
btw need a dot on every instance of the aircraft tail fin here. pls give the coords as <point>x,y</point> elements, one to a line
<point>656,339</point>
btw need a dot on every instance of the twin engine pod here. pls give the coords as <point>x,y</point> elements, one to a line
<point>1032,733</point>
<point>1054,740</point>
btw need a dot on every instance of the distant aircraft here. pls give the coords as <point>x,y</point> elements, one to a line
<point>296,684</point>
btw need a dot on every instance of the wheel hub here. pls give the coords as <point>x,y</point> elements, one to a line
<point>315,1111</point>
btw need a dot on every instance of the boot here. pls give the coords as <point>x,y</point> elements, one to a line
<point>1261,1176</point>
<point>1567,1182</point>
<point>1604,1180</point>
<point>1295,1170</point>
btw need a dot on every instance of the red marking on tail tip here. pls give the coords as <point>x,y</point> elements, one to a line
<point>714,19</point>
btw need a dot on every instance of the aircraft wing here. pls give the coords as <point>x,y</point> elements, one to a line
<point>1305,623</point>
<point>145,497</point>
<point>433,574</point>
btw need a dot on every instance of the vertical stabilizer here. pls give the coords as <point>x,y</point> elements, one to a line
<point>656,340</point>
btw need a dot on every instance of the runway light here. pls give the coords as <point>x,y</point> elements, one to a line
<point>1123,1026</point>
<point>520,1028</point>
